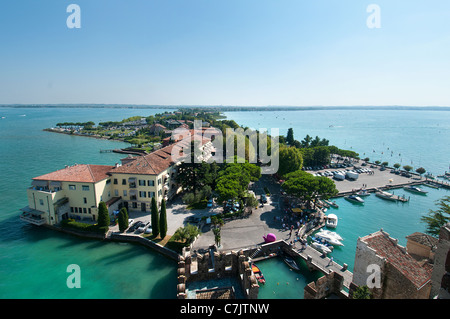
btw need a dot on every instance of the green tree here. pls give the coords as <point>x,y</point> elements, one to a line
<point>186,234</point>
<point>290,136</point>
<point>362,292</point>
<point>290,160</point>
<point>407,168</point>
<point>163,220</point>
<point>385,164</point>
<point>397,165</point>
<point>420,170</point>
<point>234,178</point>
<point>306,141</point>
<point>435,219</point>
<point>217,236</point>
<point>123,219</point>
<point>309,188</point>
<point>103,215</point>
<point>155,218</point>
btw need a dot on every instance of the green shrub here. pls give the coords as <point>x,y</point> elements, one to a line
<point>72,224</point>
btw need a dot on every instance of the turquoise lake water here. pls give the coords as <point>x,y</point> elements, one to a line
<point>33,261</point>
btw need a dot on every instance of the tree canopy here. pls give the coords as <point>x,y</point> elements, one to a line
<point>234,178</point>
<point>155,218</point>
<point>103,215</point>
<point>290,160</point>
<point>435,219</point>
<point>308,187</point>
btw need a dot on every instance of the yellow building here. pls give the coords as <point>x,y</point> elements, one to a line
<point>72,192</point>
<point>76,191</point>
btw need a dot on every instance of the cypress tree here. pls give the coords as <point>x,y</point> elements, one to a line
<point>123,219</point>
<point>163,220</point>
<point>155,218</point>
<point>103,215</point>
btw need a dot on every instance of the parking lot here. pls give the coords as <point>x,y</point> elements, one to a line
<point>370,176</point>
<point>177,216</point>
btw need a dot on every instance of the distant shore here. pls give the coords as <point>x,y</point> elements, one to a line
<point>237,108</point>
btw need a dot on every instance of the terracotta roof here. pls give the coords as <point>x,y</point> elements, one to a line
<point>152,164</point>
<point>423,239</point>
<point>387,247</point>
<point>156,162</point>
<point>84,173</point>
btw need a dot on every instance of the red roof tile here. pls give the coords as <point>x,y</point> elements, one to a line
<point>83,173</point>
<point>386,247</point>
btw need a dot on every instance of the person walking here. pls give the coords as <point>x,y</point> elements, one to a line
<point>330,262</point>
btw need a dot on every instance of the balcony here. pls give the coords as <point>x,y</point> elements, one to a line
<point>32,219</point>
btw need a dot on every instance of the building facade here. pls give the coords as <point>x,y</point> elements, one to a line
<point>76,191</point>
<point>387,268</point>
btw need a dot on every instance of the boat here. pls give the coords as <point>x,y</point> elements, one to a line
<point>329,238</point>
<point>258,274</point>
<point>429,175</point>
<point>385,195</point>
<point>332,204</point>
<point>431,185</point>
<point>355,199</point>
<point>291,263</point>
<point>321,247</point>
<point>363,192</point>
<point>332,221</point>
<point>330,233</point>
<point>415,189</point>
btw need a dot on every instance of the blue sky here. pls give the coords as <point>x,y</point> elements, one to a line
<point>225,52</point>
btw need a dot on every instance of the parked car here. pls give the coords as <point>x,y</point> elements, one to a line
<point>142,227</point>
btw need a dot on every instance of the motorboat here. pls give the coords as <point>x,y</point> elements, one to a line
<point>258,274</point>
<point>415,189</point>
<point>332,204</point>
<point>355,199</point>
<point>363,192</point>
<point>291,263</point>
<point>329,238</point>
<point>330,233</point>
<point>321,247</point>
<point>332,221</point>
<point>385,195</point>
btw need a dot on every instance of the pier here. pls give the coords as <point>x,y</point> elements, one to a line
<point>314,259</point>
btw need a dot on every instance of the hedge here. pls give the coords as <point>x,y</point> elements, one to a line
<point>70,223</point>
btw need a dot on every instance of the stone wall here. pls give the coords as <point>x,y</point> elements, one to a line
<point>441,268</point>
<point>217,265</point>
<point>146,242</point>
<point>325,286</point>
<point>365,256</point>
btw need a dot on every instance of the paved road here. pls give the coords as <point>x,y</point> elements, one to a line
<point>248,232</point>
